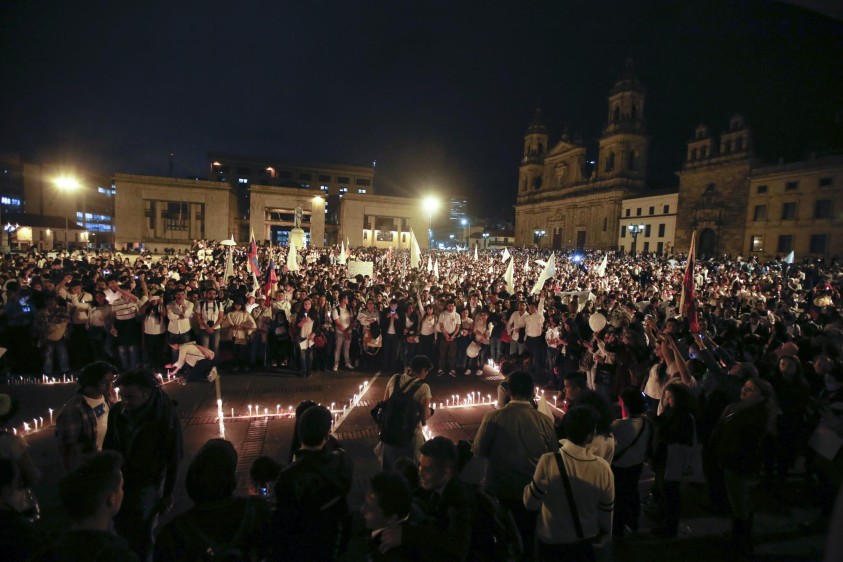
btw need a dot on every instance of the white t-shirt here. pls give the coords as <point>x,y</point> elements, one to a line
<point>100,408</point>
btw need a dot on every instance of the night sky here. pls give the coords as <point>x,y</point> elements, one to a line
<point>439,93</point>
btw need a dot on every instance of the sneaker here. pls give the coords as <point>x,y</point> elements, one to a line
<point>479,372</point>
<point>452,374</point>
<point>349,367</point>
<point>213,375</point>
<point>336,368</point>
<point>440,372</point>
<point>467,372</point>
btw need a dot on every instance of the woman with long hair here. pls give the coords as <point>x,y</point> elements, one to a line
<point>305,328</point>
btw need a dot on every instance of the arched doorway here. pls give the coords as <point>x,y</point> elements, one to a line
<point>707,244</point>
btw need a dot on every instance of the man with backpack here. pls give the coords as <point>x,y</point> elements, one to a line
<point>403,412</point>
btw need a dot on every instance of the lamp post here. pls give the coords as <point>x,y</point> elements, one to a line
<point>430,204</point>
<point>485,240</point>
<point>539,234</point>
<point>634,231</point>
<point>11,229</point>
<point>466,230</point>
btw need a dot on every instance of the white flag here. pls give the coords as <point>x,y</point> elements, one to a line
<point>505,255</point>
<point>415,251</point>
<point>548,272</point>
<point>601,270</point>
<point>343,256</point>
<point>507,277</point>
<point>789,258</point>
<point>436,269</point>
<point>429,264</point>
<point>292,258</point>
<point>475,252</point>
<point>527,265</point>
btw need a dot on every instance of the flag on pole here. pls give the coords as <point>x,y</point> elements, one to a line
<point>505,255</point>
<point>292,258</point>
<point>254,266</point>
<point>548,272</point>
<point>429,264</point>
<point>389,255</point>
<point>601,269</point>
<point>507,277</point>
<point>475,252</point>
<point>415,251</point>
<point>688,301</point>
<point>789,258</point>
<point>436,269</point>
<point>348,243</point>
<point>271,278</point>
<point>527,265</point>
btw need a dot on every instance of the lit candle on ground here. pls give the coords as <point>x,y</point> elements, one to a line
<point>277,409</point>
<point>250,409</point>
<point>117,394</point>
<point>266,411</point>
<point>35,423</point>
<point>51,416</point>
<point>232,412</point>
<point>41,421</point>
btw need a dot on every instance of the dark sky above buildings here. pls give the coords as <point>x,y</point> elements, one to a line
<point>438,92</point>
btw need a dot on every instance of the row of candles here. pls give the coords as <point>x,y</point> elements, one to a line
<point>43,379</point>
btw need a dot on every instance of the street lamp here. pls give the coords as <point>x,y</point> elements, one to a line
<point>466,233</point>
<point>430,204</point>
<point>635,230</point>
<point>485,240</point>
<point>11,229</point>
<point>68,184</point>
<point>539,235</point>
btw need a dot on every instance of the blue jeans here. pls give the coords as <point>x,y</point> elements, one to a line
<point>129,356</point>
<point>60,349</point>
<point>211,341</point>
<point>138,517</point>
<point>495,348</point>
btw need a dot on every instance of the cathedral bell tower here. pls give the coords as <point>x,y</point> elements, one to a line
<point>624,144</point>
<point>535,149</point>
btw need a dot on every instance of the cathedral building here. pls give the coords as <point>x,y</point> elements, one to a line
<point>567,202</point>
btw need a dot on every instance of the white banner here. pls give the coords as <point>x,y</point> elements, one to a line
<point>360,268</point>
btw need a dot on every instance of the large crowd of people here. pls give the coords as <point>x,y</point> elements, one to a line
<point>736,397</point>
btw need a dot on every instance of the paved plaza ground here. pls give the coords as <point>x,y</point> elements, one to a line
<point>787,523</point>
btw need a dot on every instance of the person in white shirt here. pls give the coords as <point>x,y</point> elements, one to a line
<point>154,330</point>
<point>78,305</point>
<point>195,360</point>
<point>242,325</point>
<point>262,313</point>
<point>572,516</point>
<point>448,328</point>
<point>534,338</point>
<point>305,324</point>
<point>342,332</point>
<point>515,328</point>
<point>179,313</point>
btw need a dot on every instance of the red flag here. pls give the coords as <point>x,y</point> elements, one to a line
<point>271,278</point>
<point>253,256</point>
<point>688,301</point>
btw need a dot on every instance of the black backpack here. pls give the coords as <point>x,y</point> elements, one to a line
<point>494,536</point>
<point>399,415</point>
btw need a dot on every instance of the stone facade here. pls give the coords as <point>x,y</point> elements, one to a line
<point>657,213</point>
<point>559,193</point>
<point>273,209</point>
<point>382,221</point>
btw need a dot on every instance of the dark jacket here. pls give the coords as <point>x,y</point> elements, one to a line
<point>310,520</point>
<point>89,546</point>
<point>447,536</point>
<point>384,322</point>
<point>672,427</point>
<point>738,435</point>
<point>150,441</point>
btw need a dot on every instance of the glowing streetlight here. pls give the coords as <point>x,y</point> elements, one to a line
<point>67,184</point>
<point>635,230</point>
<point>430,204</point>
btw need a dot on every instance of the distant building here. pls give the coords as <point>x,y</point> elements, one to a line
<point>655,215</point>
<point>793,207</point>
<point>458,209</point>
<point>577,201</point>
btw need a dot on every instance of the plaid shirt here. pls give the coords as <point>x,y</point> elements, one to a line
<point>77,424</point>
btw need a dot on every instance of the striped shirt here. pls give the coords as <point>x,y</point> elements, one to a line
<point>124,309</point>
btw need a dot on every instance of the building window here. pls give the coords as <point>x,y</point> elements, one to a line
<point>343,179</point>
<point>646,247</point>
<point>661,230</point>
<point>785,243</point>
<point>825,182</point>
<point>652,210</point>
<point>760,213</point>
<point>791,186</point>
<point>757,244</point>
<point>324,178</point>
<point>638,212</point>
<point>628,211</point>
<point>788,212</point>
<point>666,209</point>
<point>660,248</point>
<point>343,190</point>
<point>823,209</point>
<point>362,181</point>
<point>306,177</point>
<point>242,180</point>
<point>623,231</point>
<point>818,243</point>
<point>761,189</point>
<point>647,231</point>
<point>610,162</point>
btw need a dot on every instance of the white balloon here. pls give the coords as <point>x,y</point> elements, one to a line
<point>596,322</point>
